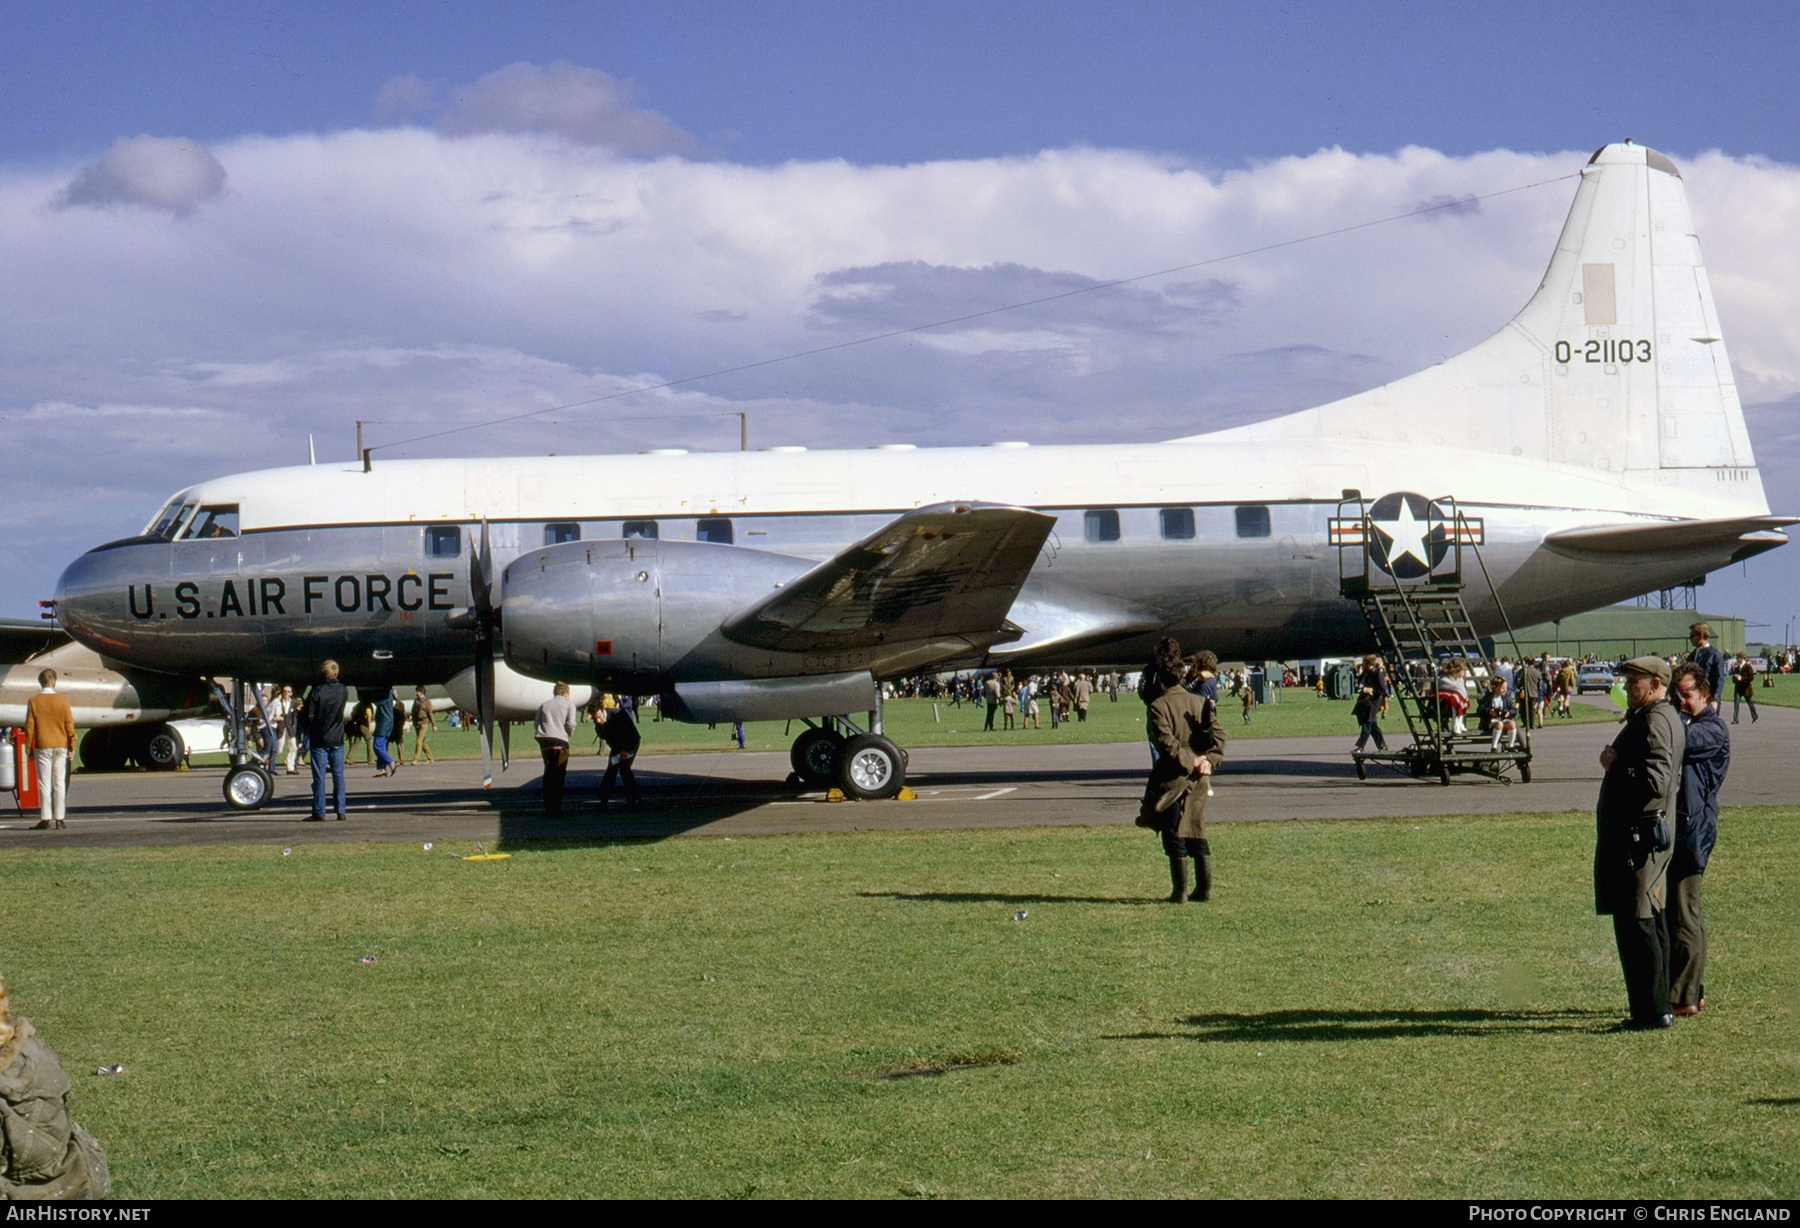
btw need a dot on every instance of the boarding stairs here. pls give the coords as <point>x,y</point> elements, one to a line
<point>1419,621</point>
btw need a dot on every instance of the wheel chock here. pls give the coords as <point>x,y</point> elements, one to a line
<point>905,795</point>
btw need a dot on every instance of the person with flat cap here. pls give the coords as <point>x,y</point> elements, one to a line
<point>1635,825</point>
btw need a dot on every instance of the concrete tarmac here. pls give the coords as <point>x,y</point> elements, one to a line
<point>742,794</point>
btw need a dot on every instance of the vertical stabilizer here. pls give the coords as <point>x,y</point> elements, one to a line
<point>1616,365</point>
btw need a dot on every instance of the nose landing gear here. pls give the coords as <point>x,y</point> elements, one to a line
<point>249,784</point>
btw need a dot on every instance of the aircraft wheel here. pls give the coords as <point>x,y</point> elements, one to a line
<point>248,787</point>
<point>873,767</point>
<point>816,756</point>
<point>163,750</point>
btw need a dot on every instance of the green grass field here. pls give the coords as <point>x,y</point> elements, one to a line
<point>1368,1009</point>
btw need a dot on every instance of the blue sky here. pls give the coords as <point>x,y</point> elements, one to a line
<point>231,226</point>
<point>908,82</point>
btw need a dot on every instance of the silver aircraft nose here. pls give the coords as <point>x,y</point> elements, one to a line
<point>115,599</point>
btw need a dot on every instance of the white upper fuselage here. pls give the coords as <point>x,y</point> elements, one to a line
<point>890,480</point>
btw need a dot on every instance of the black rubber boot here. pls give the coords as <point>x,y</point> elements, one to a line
<point>1202,872</point>
<point>1178,880</point>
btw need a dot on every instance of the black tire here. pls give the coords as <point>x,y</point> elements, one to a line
<point>816,755</point>
<point>1362,770</point>
<point>104,750</point>
<point>1443,770</point>
<point>1524,771</point>
<point>248,787</point>
<point>872,768</point>
<point>162,751</point>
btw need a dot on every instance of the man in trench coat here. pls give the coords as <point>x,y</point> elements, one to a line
<point>1634,832</point>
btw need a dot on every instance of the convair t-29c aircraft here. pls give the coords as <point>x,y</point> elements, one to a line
<point>1594,446</point>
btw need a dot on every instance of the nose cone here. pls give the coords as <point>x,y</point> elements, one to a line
<point>111,598</point>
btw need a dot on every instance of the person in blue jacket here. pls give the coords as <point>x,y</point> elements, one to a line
<point>1703,765</point>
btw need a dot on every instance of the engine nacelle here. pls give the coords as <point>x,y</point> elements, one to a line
<point>636,609</point>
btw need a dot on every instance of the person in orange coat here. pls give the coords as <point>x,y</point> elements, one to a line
<point>50,737</point>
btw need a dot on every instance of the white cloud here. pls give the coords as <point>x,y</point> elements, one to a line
<point>401,98</point>
<point>582,105</point>
<point>156,172</point>
<point>419,282</point>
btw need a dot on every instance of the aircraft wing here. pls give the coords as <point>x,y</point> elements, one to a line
<point>23,638</point>
<point>1753,534</point>
<point>949,570</point>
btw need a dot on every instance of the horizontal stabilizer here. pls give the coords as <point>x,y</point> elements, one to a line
<point>949,570</point>
<point>1672,536</point>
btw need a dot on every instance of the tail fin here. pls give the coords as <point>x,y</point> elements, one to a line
<point>1615,365</point>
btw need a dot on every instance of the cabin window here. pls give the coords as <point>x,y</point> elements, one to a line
<point>1253,522</point>
<point>714,530</point>
<point>216,521</point>
<point>639,528</point>
<point>1178,524</point>
<point>557,534</point>
<point>443,541</point>
<point>1101,525</point>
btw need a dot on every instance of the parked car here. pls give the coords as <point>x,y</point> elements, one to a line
<point>1595,677</point>
<point>181,741</point>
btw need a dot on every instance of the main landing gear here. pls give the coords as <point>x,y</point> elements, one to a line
<point>836,754</point>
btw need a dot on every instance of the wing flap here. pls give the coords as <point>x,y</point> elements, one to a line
<point>945,571</point>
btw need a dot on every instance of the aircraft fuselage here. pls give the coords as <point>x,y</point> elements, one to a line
<point>1228,546</point>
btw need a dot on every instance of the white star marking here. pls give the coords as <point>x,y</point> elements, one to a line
<point>1407,536</point>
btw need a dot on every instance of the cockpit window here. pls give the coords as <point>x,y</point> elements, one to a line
<point>219,521</point>
<point>169,521</point>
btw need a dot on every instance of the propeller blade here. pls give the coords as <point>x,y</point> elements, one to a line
<point>484,705</point>
<point>505,744</point>
<point>481,576</point>
<point>487,618</point>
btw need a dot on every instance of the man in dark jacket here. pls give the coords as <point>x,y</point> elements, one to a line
<point>1635,823</point>
<point>620,733</point>
<point>1710,660</point>
<point>322,724</point>
<point>1704,761</point>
